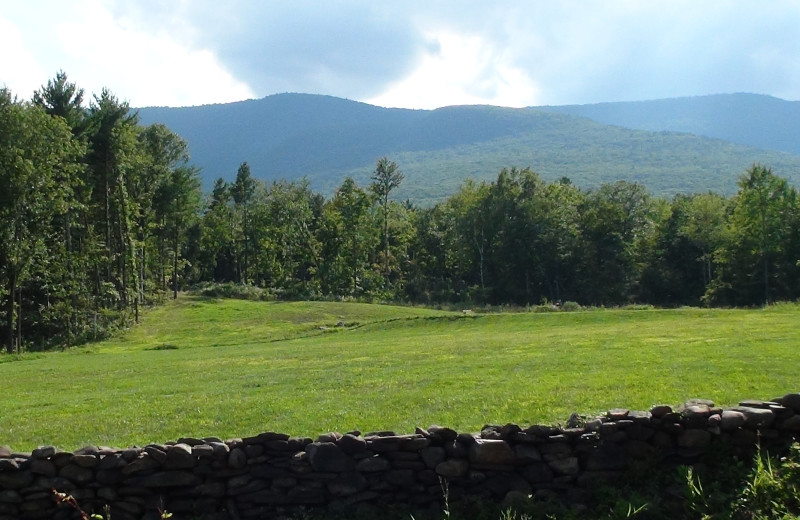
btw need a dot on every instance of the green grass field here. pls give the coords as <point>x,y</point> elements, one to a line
<point>200,367</point>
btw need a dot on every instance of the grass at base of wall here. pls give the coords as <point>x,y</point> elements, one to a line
<point>229,368</point>
<point>720,487</point>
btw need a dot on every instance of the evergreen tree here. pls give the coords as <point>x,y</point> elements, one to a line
<point>38,157</point>
<point>385,179</point>
<point>243,191</point>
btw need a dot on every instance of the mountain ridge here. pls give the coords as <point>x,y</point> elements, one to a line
<point>723,116</point>
<point>324,139</point>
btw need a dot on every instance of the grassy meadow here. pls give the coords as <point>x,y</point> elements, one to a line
<point>203,367</point>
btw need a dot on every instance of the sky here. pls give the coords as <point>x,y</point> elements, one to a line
<point>410,53</point>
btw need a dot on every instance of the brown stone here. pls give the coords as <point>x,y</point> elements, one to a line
<point>555,451</point>
<point>111,461</point>
<point>694,438</point>
<point>526,453</point>
<point>329,437</point>
<point>414,444</point>
<point>9,496</point>
<point>43,452</point>
<point>744,437</point>
<point>756,403</point>
<point>180,456</point>
<point>607,457</point>
<point>485,452</point>
<point>143,463</point>
<point>351,444</point>
<point>15,479</point>
<point>383,444</point>
<point>615,414</point>
<point>731,420</point>
<point>432,456</point>
<point>191,441</point>
<point>692,402</point>
<point>791,424</point>
<point>165,479</point>
<point>204,451</point>
<point>76,474</point>
<point>756,417</point>
<point>537,473</point>
<point>568,466</point>
<point>328,457</point>
<point>348,483</point>
<point>43,467</point>
<point>372,464</point>
<point>85,461</point>
<point>660,410</point>
<point>237,458</point>
<point>791,401</point>
<point>453,468</point>
<point>441,434</point>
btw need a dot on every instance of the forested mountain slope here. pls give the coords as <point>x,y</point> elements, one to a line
<point>751,119</point>
<point>325,139</point>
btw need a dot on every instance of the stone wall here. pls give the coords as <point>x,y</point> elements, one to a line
<point>257,477</point>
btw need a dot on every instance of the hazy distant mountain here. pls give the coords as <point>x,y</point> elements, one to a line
<point>325,138</point>
<point>751,119</point>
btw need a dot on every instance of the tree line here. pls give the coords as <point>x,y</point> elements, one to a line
<point>94,210</point>
<point>100,216</point>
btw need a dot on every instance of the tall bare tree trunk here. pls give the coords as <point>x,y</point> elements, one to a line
<point>175,263</point>
<point>10,308</point>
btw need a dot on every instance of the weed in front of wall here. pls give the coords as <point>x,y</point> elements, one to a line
<point>63,499</point>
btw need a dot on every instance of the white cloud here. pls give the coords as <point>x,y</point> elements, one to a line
<point>146,69</point>
<point>460,70</point>
<point>509,52</point>
<point>97,50</point>
<point>19,70</point>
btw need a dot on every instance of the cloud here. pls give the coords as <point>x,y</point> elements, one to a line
<point>613,51</point>
<point>460,69</point>
<point>98,49</point>
<point>15,57</point>
<point>349,49</point>
<point>415,53</point>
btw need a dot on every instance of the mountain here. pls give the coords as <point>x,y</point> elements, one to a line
<point>751,119</point>
<point>325,138</point>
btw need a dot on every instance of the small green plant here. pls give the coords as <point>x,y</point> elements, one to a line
<point>69,501</point>
<point>696,499</point>
<point>773,487</point>
<point>64,499</point>
<point>164,346</point>
<point>623,510</point>
<point>445,496</point>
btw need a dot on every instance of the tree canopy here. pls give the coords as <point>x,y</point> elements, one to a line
<point>100,216</point>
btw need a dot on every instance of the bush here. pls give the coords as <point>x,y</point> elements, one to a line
<point>235,291</point>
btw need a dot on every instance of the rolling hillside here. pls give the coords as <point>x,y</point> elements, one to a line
<point>325,138</point>
<point>751,119</point>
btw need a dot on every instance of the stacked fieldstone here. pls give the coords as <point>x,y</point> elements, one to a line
<point>256,477</point>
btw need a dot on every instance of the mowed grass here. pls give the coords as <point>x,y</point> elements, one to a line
<point>233,368</point>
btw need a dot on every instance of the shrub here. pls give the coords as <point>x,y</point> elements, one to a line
<point>235,291</point>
